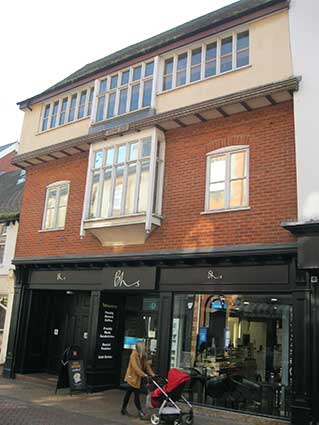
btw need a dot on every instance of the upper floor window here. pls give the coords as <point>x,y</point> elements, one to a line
<point>2,246</point>
<point>3,229</point>
<point>55,206</point>
<point>125,91</point>
<point>67,109</point>
<point>206,60</point>
<point>3,233</point>
<point>227,178</point>
<point>121,178</point>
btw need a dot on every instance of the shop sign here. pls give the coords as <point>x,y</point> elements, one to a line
<point>107,337</point>
<point>65,278</point>
<point>129,278</point>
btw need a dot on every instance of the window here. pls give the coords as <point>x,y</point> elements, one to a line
<point>2,245</point>
<point>3,229</point>
<point>67,109</point>
<point>206,60</point>
<point>55,206</point>
<point>126,91</point>
<point>120,178</point>
<point>237,349</point>
<point>3,233</point>
<point>227,179</point>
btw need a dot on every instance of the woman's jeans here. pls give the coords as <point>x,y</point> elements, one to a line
<point>127,396</point>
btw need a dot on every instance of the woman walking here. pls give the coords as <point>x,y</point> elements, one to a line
<point>137,369</point>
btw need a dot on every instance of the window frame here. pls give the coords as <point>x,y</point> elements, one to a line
<point>58,186</point>
<point>226,151</point>
<point>203,45</point>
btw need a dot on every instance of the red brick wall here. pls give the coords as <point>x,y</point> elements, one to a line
<point>5,163</point>
<point>270,134</point>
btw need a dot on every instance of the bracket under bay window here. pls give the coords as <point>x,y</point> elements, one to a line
<point>124,188</point>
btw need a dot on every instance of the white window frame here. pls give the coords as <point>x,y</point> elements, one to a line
<point>60,99</point>
<point>227,151</point>
<point>56,185</point>
<point>202,44</point>
<point>128,86</point>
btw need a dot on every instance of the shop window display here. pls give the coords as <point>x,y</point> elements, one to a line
<point>236,349</point>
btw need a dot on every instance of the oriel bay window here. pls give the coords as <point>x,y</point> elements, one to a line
<point>125,181</point>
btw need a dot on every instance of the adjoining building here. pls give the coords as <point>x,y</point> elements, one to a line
<point>157,182</point>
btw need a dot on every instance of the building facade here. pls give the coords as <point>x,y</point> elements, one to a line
<point>157,182</point>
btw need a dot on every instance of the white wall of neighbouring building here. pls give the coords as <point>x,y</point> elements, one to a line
<point>304,36</point>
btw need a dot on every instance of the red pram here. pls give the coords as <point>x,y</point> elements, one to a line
<point>167,393</point>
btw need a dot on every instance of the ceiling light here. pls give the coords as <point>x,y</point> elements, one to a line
<point>246,302</point>
<point>274,300</point>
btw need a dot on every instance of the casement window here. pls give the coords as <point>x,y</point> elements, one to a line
<point>227,179</point>
<point>125,91</point>
<point>67,109</point>
<point>55,206</point>
<point>206,60</point>
<point>121,176</point>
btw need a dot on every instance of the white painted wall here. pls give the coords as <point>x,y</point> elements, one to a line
<point>304,35</point>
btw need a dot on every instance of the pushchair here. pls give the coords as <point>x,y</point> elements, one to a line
<point>165,397</point>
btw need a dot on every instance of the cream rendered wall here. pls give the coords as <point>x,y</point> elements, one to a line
<point>270,61</point>
<point>7,283</point>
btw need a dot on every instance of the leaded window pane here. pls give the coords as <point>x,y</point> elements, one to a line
<point>147,95</point>
<point>144,183</point>
<point>135,97</point>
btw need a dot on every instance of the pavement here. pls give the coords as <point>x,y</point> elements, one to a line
<point>24,402</point>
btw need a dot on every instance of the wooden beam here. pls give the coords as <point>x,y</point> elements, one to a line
<point>200,117</point>
<point>78,149</point>
<point>66,153</point>
<point>40,159</point>
<point>222,112</point>
<point>291,92</point>
<point>50,155</point>
<point>179,122</point>
<point>271,99</point>
<point>246,106</point>
<point>29,163</point>
<point>160,128</point>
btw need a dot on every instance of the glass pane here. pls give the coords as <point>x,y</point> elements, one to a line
<point>94,195</point>
<point>1,253</point>
<point>63,111</point>
<point>135,97</point>
<point>111,105</point>
<point>50,218</point>
<point>61,217</point>
<point>118,190</point>
<point>114,79</point>
<point>130,189</point>
<point>63,196</point>
<point>137,72</point>
<point>227,46</point>
<point>181,78</point>
<point>106,192</point>
<point>197,56</point>
<point>125,77</point>
<point>54,114</point>
<point>217,196</point>
<point>243,58</point>
<point>121,153</point>
<point>238,161</point>
<point>243,40</point>
<point>100,109</point>
<point>146,148</point>
<point>103,85</point>
<point>210,68</point>
<point>46,111</point>
<point>149,69</point>
<point>147,95</point>
<point>168,67</point>
<point>167,82</point>
<point>52,198</point>
<point>226,64</point>
<point>90,101</point>
<point>72,108</point>
<point>123,101</point>
<point>211,51</point>
<point>217,169</point>
<point>238,193</point>
<point>45,117</point>
<point>133,151</point>
<point>182,61</point>
<point>144,182</point>
<point>195,73</point>
<point>82,104</point>
<point>98,159</point>
<point>109,156</point>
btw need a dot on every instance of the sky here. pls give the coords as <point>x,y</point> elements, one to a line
<point>43,42</point>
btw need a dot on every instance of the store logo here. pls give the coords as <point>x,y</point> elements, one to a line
<point>211,275</point>
<point>119,281</point>
<point>60,276</point>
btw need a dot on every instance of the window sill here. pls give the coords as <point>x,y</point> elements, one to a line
<point>62,125</point>
<point>225,210</point>
<point>51,230</point>
<point>191,83</point>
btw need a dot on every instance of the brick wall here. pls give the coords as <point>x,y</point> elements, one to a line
<point>270,134</point>
<point>5,163</point>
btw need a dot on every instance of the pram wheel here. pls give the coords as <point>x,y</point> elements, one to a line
<point>189,420</point>
<point>155,420</point>
<point>177,422</point>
